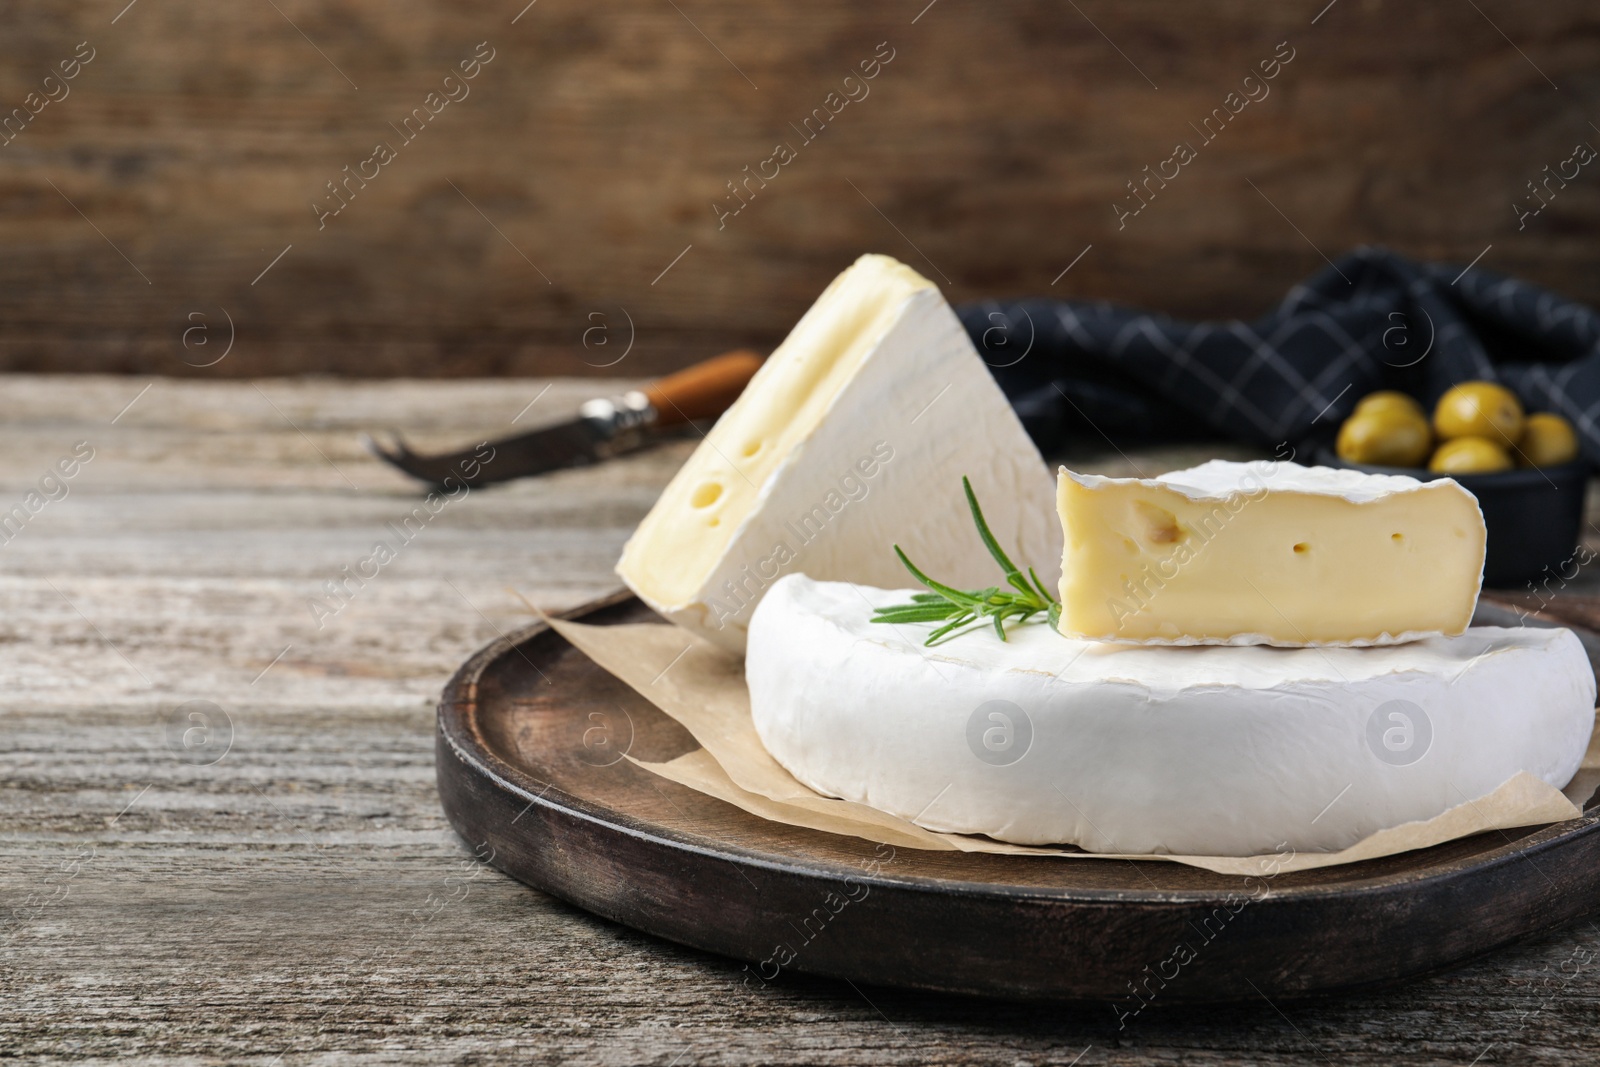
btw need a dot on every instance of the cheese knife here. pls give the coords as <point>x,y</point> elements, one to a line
<point>603,428</point>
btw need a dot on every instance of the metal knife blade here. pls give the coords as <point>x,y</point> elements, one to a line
<point>603,428</point>
<point>570,444</point>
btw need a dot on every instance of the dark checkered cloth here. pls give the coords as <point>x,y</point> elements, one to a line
<point>1371,321</point>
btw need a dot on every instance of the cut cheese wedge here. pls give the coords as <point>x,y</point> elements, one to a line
<point>853,437</point>
<point>1207,750</point>
<point>1268,553</point>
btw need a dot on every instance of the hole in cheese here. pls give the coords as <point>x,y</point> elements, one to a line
<point>1396,538</point>
<point>1160,525</point>
<point>1302,548</point>
<point>705,494</point>
<point>751,448</point>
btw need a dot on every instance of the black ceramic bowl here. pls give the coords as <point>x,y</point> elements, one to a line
<point>1534,516</point>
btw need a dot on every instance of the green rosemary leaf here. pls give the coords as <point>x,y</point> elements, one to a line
<point>931,613</point>
<point>1020,583</point>
<point>963,619</point>
<point>943,608</point>
<point>983,529</point>
<point>1048,596</point>
<point>955,596</point>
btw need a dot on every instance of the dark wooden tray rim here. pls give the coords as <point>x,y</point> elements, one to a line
<point>702,873</point>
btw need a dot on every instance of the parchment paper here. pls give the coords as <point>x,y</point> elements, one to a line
<point>702,687</point>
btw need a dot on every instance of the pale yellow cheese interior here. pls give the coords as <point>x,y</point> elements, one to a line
<point>1143,562</point>
<point>684,535</point>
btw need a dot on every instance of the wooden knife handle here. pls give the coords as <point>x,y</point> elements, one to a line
<point>703,390</point>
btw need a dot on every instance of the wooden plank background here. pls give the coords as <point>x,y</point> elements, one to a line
<point>185,156</point>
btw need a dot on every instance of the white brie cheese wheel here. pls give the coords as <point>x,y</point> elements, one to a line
<point>1198,750</point>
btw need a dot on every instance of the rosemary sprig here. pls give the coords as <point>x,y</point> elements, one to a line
<point>979,607</point>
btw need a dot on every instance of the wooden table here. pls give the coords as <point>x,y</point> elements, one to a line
<point>303,899</point>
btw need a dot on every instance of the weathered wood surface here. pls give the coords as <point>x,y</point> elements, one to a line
<point>303,900</point>
<point>588,153</point>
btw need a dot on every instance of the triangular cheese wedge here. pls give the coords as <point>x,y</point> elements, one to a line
<point>852,438</point>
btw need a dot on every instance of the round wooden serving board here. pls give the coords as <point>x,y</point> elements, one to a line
<point>531,774</point>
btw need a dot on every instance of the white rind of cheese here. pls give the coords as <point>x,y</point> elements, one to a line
<point>1204,750</point>
<point>853,437</point>
<point>1268,552</point>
